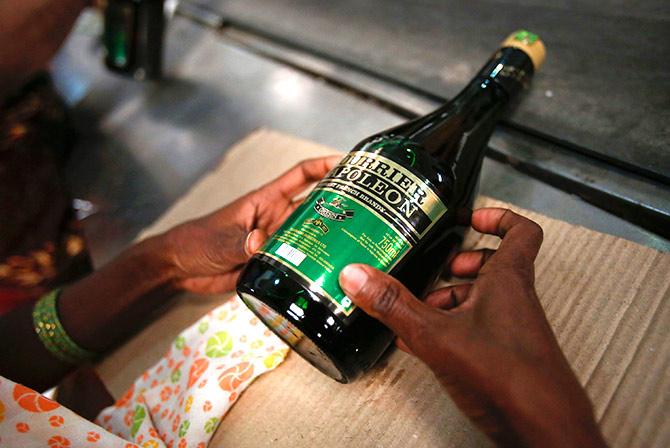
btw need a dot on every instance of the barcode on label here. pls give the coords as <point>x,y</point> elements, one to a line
<point>290,253</point>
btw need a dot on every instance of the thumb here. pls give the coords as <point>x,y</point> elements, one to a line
<point>238,252</point>
<point>387,300</point>
<point>255,239</point>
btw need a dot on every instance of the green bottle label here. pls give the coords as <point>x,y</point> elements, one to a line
<point>368,209</point>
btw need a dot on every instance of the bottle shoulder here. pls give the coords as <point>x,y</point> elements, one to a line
<point>413,157</point>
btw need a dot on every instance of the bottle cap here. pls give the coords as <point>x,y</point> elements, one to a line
<point>529,43</point>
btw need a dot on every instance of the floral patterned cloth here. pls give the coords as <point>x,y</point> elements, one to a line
<point>177,403</point>
<point>29,419</point>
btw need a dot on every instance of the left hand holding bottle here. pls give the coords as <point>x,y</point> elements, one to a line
<point>204,255</point>
<point>208,253</point>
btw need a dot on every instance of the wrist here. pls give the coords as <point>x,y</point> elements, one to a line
<point>108,305</point>
<point>156,256</point>
<point>553,412</point>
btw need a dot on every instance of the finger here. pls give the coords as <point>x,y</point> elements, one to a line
<point>300,176</point>
<point>255,240</point>
<point>450,297</point>
<point>468,263</point>
<point>385,299</point>
<point>522,237</point>
<point>228,247</point>
<point>402,346</point>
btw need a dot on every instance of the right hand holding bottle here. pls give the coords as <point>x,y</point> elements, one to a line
<point>488,342</point>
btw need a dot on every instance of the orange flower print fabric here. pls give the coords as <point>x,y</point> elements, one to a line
<point>32,401</point>
<point>180,401</point>
<point>27,418</point>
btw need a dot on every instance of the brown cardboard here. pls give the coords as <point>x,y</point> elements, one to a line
<point>606,298</point>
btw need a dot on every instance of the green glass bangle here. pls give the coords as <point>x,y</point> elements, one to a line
<point>52,334</point>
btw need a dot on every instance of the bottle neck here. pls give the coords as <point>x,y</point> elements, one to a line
<point>473,112</point>
<point>510,68</point>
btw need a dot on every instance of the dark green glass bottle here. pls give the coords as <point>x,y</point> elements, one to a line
<point>133,37</point>
<point>394,203</point>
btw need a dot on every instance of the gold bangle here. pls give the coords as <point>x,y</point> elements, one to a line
<point>55,339</point>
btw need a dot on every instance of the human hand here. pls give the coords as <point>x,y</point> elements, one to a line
<point>208,253</point>
<point>488,342</point>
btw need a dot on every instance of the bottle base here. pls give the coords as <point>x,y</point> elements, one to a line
<point>340,348</point>
<point>295,338</point>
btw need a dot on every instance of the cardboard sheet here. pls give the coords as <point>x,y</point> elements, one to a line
<point>606,298</point>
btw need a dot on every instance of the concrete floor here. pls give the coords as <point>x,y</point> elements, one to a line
<point>142,145</point>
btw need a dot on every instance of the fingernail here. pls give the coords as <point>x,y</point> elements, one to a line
<point>247,249</point>
<point>353,278</point>
<point>251,245</point>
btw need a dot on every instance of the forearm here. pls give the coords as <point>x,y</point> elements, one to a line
<point>551,411</point>
<point>97,312</point>
<point>104,307</point>
<point>31,31</point>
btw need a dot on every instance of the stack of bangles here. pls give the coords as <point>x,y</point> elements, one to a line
<point>52,334</point>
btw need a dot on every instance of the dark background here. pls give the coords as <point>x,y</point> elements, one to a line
<point>604,90</point>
